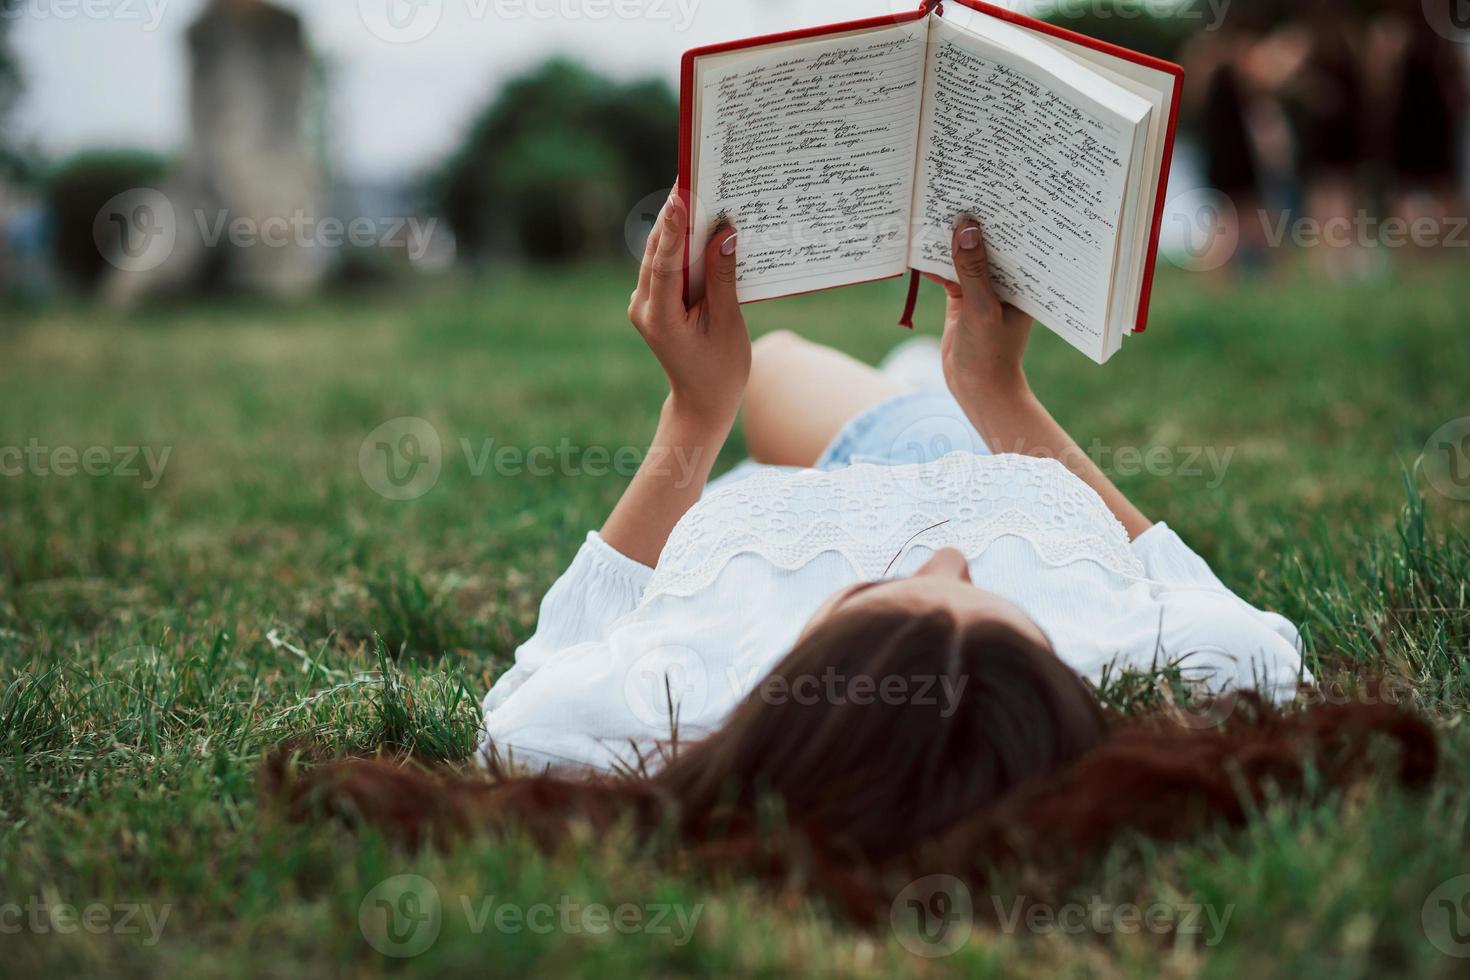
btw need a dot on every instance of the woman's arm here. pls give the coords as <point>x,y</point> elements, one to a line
<point>705,351</point>
<point>984,344</point>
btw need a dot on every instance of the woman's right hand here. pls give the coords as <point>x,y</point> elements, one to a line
<point>704,349</point>
<point>984,339</point>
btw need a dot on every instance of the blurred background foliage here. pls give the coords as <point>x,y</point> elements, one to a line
<point>548,168</point>
<point>75,192</point>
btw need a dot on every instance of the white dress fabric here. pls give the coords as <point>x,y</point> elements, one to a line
<point>626,658</point>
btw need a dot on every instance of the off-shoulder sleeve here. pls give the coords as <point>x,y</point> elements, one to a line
<point>600,586</point>
<point>1205,623</point>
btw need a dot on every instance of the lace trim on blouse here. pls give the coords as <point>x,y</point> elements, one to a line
<point>867,514</point>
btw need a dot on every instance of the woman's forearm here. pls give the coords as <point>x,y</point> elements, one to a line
<point>669,482</point>
<point>1011,419</point>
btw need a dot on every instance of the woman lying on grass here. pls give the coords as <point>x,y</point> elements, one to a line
<point>879,624</point>
<point>872,492</point>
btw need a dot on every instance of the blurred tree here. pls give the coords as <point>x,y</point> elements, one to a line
<point>551,168</point>
<point>75,193</point>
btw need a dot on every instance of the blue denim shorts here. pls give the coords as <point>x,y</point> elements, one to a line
<point>919,427</point>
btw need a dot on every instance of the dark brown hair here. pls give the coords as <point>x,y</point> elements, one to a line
<point>971,746</point>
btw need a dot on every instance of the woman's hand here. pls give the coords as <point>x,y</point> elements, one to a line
<point>704,349</point>
<point>984,340</point>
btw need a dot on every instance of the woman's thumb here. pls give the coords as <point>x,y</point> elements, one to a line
<point>971,260</point>
<point>719,271</point>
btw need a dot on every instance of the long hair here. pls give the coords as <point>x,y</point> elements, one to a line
<point>889,741</point>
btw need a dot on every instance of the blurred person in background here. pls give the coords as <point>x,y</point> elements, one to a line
<point>1219,103</point>
<point>1421,96</point>
<point>1327,99</point>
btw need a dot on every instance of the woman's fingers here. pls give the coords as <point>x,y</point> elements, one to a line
<point>950,286</point>
<point>666,285</point>
<point>650,251</point>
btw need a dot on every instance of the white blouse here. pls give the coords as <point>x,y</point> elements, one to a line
<point>625,657</point>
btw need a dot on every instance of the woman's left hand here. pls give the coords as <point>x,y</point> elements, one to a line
<point>704,349</point>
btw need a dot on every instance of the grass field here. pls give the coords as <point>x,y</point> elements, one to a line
<point>160,632</point>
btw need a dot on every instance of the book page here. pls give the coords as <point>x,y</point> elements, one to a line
<point>1043,164</point>
<point>808,149</point>
<point>1157,88</point>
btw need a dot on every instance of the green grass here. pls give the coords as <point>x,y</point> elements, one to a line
<point>156,642</point>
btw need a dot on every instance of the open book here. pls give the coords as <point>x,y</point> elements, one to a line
<point>845,154</point>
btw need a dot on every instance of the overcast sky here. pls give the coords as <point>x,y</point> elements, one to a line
<point>112,72</point>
